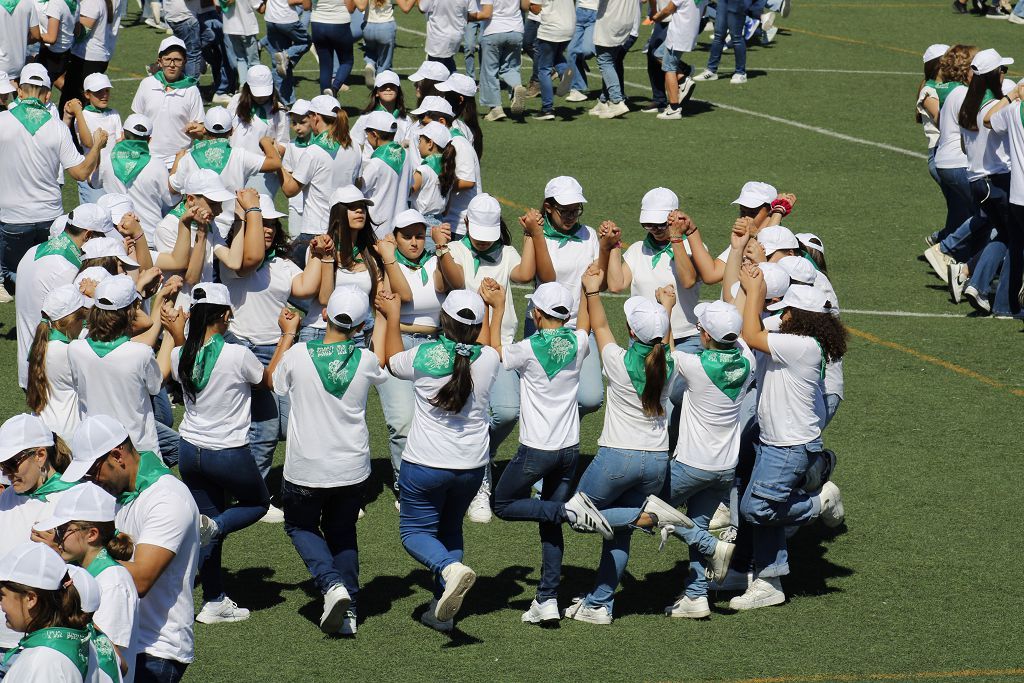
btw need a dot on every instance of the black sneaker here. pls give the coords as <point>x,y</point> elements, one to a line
<point>959,7</point>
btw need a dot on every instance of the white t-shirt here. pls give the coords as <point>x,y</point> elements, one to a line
<point>446,21</point>
<point>150,195</point>
<point>295,204</point>
<point>381,14</point>
<point>32,166</point>
<point>63,14</point>
<point>241,166</point>
<point>648,278</point>
<point>428,200</point>
<point>36,279</point>
<point>94,49</point>
<point>358,134</point>
<point>165,515</point>
<point>109,120</point>
<point>119,385</point>
<point>1007,121</point>
<point>315,171</point>
<point>170,111</point>
<point>467,167</point>
<point>330,12</point>
<point>557,21</point>
<point>438,438</point>
<point>167,235</point>
<point>258,299</point>
<point>500,271</point>
<point>571,260</point>
<point>280,12</point>
<point>14,28</point>
<point>220,416</point>
<point>42,665</point>
<point>625,425</point>
<point>240,18</point>
<point>506,17</point>
<point>181,10</point>
<point>328,442</point>
<point>949,153</point>
<point>425,307</point>
<point>615,20</point>
<point>709,421</point>
<point>930,125</point>
<point>387,191</point>
<point>247,135</point>
<point>61,412</point>
<point>549,416</point>
<point>683,27</point>
<point>119,606</point>
<point>987,154</point>
<point>791,407</point>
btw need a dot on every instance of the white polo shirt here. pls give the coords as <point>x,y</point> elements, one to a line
<point>32,166</point>
<point>446,22</point>
<point>615,20</point>
<point>648,278</point>
<point>557,21</point>
<point>1007,121</point>
<point>14,28</point>
<point>428,200</point>
<point>791,406</point>
<point>95,47</point>
<point>258,299</point>
<point>571,260</point>
<point>170,111</point>
<point>683,27</point>
<point>467,167</point>
<point>150,195</point>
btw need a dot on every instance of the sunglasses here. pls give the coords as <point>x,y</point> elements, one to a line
<point>654,227</point>
<point>61,533</point>
<point>94,469</point>
<point>569,211</point>
<point>11,466</point>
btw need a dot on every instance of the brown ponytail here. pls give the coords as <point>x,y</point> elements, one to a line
<point>38,390</point>
<point>453,396</point>
<point>656,370</point>
<point>119,546</point>
<point>338,131</point>
<point>60,454</point>
<point>446,179</point>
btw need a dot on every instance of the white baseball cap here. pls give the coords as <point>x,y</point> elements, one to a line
<point>386,77</point>
<point>300,107</point>
<point>206,183</point>
<point>348,307</point>
<point>565,190</point>
<point>33,564</point>
<point>380,120</point>
<point>809,239</point>
<point>102,247</point>
<point>460,300</point>
<point>777,237</point>
<point>437,133</point>
<point>22,432</point>
<point>62,301</point>
<point>259,80</point>
<point>646,318</point>
<point>935,51</point>
<point>115,293</point>
<point>94,437</point>
<point>117,204</point>
<point>553,299</point>
<point>58,225</point>
<point>85,502</point>
<point>407,218</point>
<point>91,217</point>
<point>35,74</point>
<point>325,105</point>
<point>268,210</point>
<point>484,217</point>
<point>349,194</point>
<point>211,293</point>
<point>433,103</point>
<point>86,586</point>
<point>776,280</point>
<point>6,84</point>
<point>804,297</point>
<point>171,43</point>
<point>96,82</point>
<point>754,195</point>
<point>218,120</point>
<point>657,205</point>
<point>458,83</point>
<point>801,271</point>
<point>139,124</point>
<point>431,71</point>
<point>989,60</point>
<point>721,320</point>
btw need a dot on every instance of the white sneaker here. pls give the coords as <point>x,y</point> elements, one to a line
<point>586,518</point>
<point>458,579</point>
<point>784,8</point>
<point>686,89</point>
<point>326,91</point>
<point>762,593</point>
<point>665,514</point>
<point>207,530</point>
<point>598,108</point>
<point>362,513</point>
<point>767,20</point>
<point>939,262</point>
<point>544,116</point>
<point>706,76</point>
<point>653,109</point>
<point>564,84</point>
<point>281,63</point>
<point>615,110</point>
<point>957,279</point>
<point>738,79</point>
<point>336,602</point>
<point>518,104</point>
<point>275,515</point>
<point>592,615</point>
<point>576,96</point>
<point>398,505</point>
<point>721,524</point>
<point>369,74</point>
<point>221,98</point>
<point>832,511</point>
<point>769,34</point>
<point>542,612</point>
<point>221,611</point>
<point>495,114</point>
<point>428,619</point>
<point>348,624</point>
<point>480,509</point>
<point>734,581</point>
<point>976,300</point>
<point>689,608</point>
<point>5,296</point>
<point>1014,19</point>
<point>671,113</point>
<point>718,561</point>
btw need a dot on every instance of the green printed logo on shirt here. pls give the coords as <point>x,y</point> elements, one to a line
<point>101,562</point>
<point>391,154</point>
<point>335,363</point>
<point>70,642</point>
<point>128,158</point>
<point>31,113</point>
<point>943,90</point>
<point>211,154</point>
<point>554,349</point>
<point>727,369</point>
<point>106,658</point>
<point>61,245</point>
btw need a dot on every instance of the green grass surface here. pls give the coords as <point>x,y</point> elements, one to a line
<point>923,579</point>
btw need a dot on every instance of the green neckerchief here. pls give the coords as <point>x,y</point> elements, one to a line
<point>491,255</point>
<point>61,245</point>
<point>179,210</point>
<point>70,642</point>
<point>103,348</point>
<point>72,5</point>
<point>325,143</point>
<point>808,257</point>
<point>434,162</point>
<point>57,335</point>
<point>943,90</point>
<point>1021,112</point>
<point>211,154</point>
<point>419,264</point>
<point>822,371</point>
<point>989,96</point>
<point>95,110</point>
<point>106,658</point>
<point>302,142</point>
<point>101,562</point>
<point>336,364</point>
<point>931,83</point>
<point>151,468</point>
<point>456,133</point>
<point>656,251</point>
<point>636,354</point>
<point>561,237</point>
<point>32,114</point>
<point>727,369</point>
<point>183,82</point>
<point>9,5</point>
<point>267,258</point>
<point>206,358</point>
<point>395,113</point>
<point>437,359</point>
<point>356,255</point>
<point>392,154</point>
<point>554,349</point>
<point>259,112</point>
<point>128,158</point>
<point>52,485</point>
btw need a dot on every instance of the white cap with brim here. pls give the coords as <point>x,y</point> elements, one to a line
<point>6,84</point>
<point>211,293</point>
<point>989,60</point>
<point>58,225</point>
<point>85,502</point>
<point>565,190</point>
<point>435,104</point>
<point>777,237</point>
<point>484,217</point>
<point>776,281</point>
<point>91,217</point>
<point>22,432</point>
<point>804,297</point>
<point>268,210</point>
<point>721,320</point>
<point>117,204</point>
<point>171,43</point>
<point>349,194</point>
<point>115,293</point>
<point>96,82</point>
<point>437,133</point>
<point>260,81</point>
<point>935,51</point>
<point>35,74</point>
<point>430,71</point>
<point>801,271</point>
<point>465,306</point>
<point>206,183</point>
<point>139,124</point>
<point>754,195</point>
<point>35,565</point>
<point>104,247</point>
<point>657,205</point>
<point>88,588</point>
<point>409,217</point>
<point>458,83</point>
<point>300,107</point>
<point>380,121</point>
<point>348,307</point>
<point>93,439</point>
<point>646,318</point>
<point>809,239</point>
<point>553,299</point>
<point>386,77</point>
<point>218,120</point>
<point>324,105</point>
<point>62,301</point>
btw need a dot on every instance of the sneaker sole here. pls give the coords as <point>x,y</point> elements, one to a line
<point>565,84</point>
<point>518,100</point>
<point>720,577</point>
<point>938,267</point>
<point>957,295</point>
<point>688,615</point>
<point>331,623</point>
<point>763,602</point>
<point>976,304</point>
<point>606,531</point>
<point>220,620</point>
<point>541,620</point>
<point>685,95</point>
<point>450,602</point>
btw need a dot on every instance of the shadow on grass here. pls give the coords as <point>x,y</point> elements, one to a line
<point>255,588</point>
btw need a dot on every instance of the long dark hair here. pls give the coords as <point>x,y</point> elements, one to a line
<point>446,179</point>
<point>61,607</point>
<point>465,109</point>
<point>931,72</point>
<point>976,89</point>
<point>375,101</point>
<point>827,328</point>
<point>656,372</point>
<point>341,233</point>
<point>37,394</point>
<point>452,396</point>
<point>200,317</point>
<point>818,257</point>
<point>246,103</point>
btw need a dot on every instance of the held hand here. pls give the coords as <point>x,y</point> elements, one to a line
<point>173,320</point>
<point>740,235</point>
<point>267,142</point>
<point>130,226</point>
<point>46,538</point>
<point>147,278</point>
<point>172,286</point>
<point>73,106</point>
<point>388,304</point>
<point>386,247</point>
<point>99,139</point>
<point>248,198</point>
<point>195,130</point>
<point>532,223</point>
<point>666,296</point>
<point>321,247</point>
<point>288,321</point>
<point>752,280</point>
<point>753,252</point>
<point>593,278</point>
<point>747,224</point>
<point>610,235</point>
<point>492,293</point>
<point>442,234</point>
<point>87,287</point>
<point>789,197</point>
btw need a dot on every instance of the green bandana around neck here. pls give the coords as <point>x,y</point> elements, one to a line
<point>31,113</point>
<point>179,210</point>
<point>419,264</point>
<point>106,659</point>
<point>821,372</point>
<point>181,83</point>
<point>52,485</point>
<point>658,251</point>
<point>989,96</point>
<point>101,562</point>
<point>943,90</point>
<point>392,154</point>
<point>128,158</point>
<point>808,257</point>
<point>258,112</point>
<point>102,348</point>
<point>395,113</point>
<point>357,256</point>
<point>434,162</point>
<point>456,133</point>
<point>727,369</point>
<point>267,258</point>
<point>61,245</point>
<point>636,354</point>
<point>94,109</point>
<point>70,642</point>
<point>57,335</point>
<point>212,154</point>
<point>491,255</point>
<point>554,349</point>
<point>72,6</point>
<point>302,142</point>
<point>437,359</point>
<point>1020,110</point>
<point>562,238</point>
<point>326,143</point>
<point>206,358</point>
<point>151,468</point>
<point>9,5</point>
<point>335,363</point>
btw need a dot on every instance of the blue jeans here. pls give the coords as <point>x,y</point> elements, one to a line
<point>15,240</point>
<point>549,56</point>
<point>581,47</point>
<point>188,32</point>
<point>606,61</point>
<point>530,46</point>
<point>293,40</point>
<point>1019,9</point>
<point>503,410</point>
<point>501,56</point>
<point>619,481</point>
<point>215,477</point>
<point>512,503</point>
<point>150,669</point>
<point>654,73</point>
<point>959,203</point>
<point>88,194</point>
<point>322,526</point>
<point>933,171</point>
<point>701,491</point>
<point>470,41</point>
<point>211,33</point>
<point>379,40</point>
<point>434,501</point>
<point>242,52</point>
<point>774,500</point>
<point>330,41</point>
<point>729,18</point>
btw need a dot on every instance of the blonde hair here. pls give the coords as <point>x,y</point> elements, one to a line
<point>955,65</point>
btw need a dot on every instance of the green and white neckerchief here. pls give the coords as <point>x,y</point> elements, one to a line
<point>437,359</point>
<point>419,264</point>
<point>561,237</point>
<point>634,359</point>
<point>302,142</point>
<point>392,154</point>
<point>336,364</point>
<point>57,335</point>
<point>943,90</point>
<point>434,162</point>
<point>491,255</point>
<point>52,485</point>
<point>180,84</point>
<point>72,6</point>
<point>395,113</point>
<point>821,372</point>
<point>554,349</point>
<point>325,142</point>
<point>61,245</point>
<point>456,133</point>
<point>151,468</point>
<point>357,256</point>
<point>211,154</point>
<point>128,158</point>
<point>101,562</point>
<point>206,358</point>
<point>657,251</point>
<point>9,5</point>
<point>931,83</point>
<point>31,113</point>
<point>179,210</point>
<point>102,348</point>
<point>259,111</point>
<point>989,96</point>
<point>95,110</point>
<point>106,658</point>
<point>70,642</point>
<point>727,369</point>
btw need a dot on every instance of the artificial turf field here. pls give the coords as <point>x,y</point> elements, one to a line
<point>923,582</point>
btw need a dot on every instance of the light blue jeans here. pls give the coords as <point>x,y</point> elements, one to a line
<point>243,52</point>
<point>581,47</point>
<point>729,18</point>
<point>470,41</point>
<point>1019,9</point>
<point>606,62</point>
<point>701,491</point>
<point>398,401</point>
<point>88,194</point>
<point>379,40</point>
<point>501,56</point>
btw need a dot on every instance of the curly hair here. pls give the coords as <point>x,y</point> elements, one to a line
<point>955,65</point>
<point>826,328</point>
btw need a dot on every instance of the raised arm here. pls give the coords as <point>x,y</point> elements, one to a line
<point>390,308</point>
<point>533,223</point>
<point>680,228</point>
<point>617,274</point>
<point>451,271</point>
<point>595,309</point>
<point>88,166</point>
<point>754,334</point>
<point>387,247</point>
<point>737,242</point>
<point>493,295</point>
<point>289,322</point>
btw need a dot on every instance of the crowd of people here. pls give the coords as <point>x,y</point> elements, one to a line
<point>974,123</point>
<point>997,9</point>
